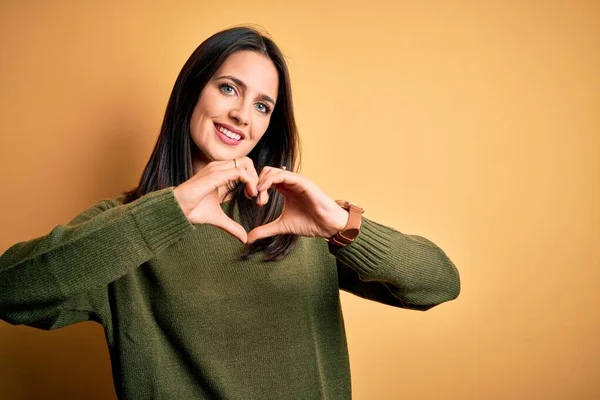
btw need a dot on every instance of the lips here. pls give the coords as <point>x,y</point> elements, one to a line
<point>226,139</point>
<point>232,129</point>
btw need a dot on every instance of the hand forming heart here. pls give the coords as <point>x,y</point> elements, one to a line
<point>307,211</point>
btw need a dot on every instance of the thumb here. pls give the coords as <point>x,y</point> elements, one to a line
<point>264,231</point>
<point>231,227</point>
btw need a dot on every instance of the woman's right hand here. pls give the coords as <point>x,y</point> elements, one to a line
<point>199,199</point>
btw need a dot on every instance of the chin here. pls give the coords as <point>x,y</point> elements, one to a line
<point>225,156</point>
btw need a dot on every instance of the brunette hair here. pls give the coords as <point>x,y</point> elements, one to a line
<point>170,163</point>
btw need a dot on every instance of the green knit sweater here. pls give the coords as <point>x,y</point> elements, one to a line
<point>185,318</point>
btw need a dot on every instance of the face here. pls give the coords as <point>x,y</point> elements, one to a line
<point>234,108</point>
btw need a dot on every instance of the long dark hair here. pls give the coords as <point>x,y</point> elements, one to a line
<point>171,161</point>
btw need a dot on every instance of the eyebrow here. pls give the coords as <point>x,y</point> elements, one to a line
<point>241,83</point>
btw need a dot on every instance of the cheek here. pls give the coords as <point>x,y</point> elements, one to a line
<point>197,114</point>
<point>261,127</point>
<point>208,106</point>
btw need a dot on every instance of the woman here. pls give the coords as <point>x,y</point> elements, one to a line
<point>188,311</point>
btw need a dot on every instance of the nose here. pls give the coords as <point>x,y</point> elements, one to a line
<point>240,114</point>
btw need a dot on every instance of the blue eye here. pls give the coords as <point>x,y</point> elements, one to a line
<point>227,88</point>
<point>263,108</point>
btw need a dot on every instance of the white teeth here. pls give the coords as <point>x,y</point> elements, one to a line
<point>228,133</point>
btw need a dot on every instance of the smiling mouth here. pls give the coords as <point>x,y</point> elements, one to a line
<point>228,133</point>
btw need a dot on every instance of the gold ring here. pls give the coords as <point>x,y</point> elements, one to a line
<point>235,162</point>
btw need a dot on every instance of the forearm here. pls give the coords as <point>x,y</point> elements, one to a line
<point>75,258</point>
<point>411,268</point>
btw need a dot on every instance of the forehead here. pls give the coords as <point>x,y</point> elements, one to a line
<point>256,70</point>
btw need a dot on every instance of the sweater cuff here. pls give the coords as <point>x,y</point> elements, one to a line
<point>368,249</point>
<point>160,219</point>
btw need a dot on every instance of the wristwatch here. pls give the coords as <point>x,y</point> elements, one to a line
<point>347,235</point>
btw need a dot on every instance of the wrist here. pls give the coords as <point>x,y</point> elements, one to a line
<point>351,228</point>
<point>180,198</point>
<point>340,219</point>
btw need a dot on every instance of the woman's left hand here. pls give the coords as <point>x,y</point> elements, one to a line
<point>307,210</point>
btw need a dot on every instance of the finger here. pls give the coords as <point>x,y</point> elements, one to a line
<point>264,231</point>
<point>222,178</point>
<point>244,163</point>
<point>228,225</point>
<point>272,178</point>
<point>266,171</point>
<point>247,164</point>
<point>271,173</point>
<point>263,198</point>
<point>282,176</point>
<point>194,190</point>
<point>221,165</point>
<point>263,195</point>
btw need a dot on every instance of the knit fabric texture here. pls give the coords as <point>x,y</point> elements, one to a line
<point>186,318</point>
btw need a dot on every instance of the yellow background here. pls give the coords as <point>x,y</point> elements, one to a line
<point>475,124</point>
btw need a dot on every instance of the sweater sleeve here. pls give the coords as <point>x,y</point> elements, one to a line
<point>397,269</point>
<point>62,278</point>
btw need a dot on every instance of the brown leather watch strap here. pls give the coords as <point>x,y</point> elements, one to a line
<point>347,235</point>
